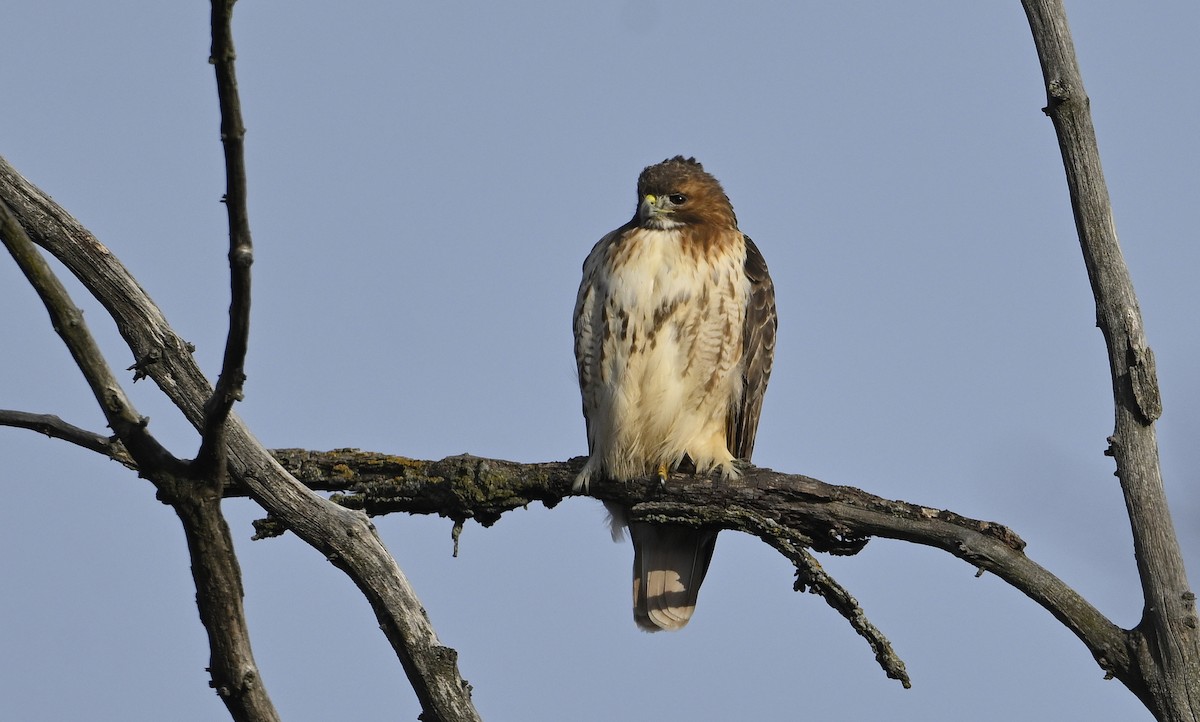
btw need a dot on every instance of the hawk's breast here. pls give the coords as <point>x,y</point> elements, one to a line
<point>659,345</point>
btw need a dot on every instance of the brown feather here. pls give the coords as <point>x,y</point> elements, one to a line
<point>758,354</point>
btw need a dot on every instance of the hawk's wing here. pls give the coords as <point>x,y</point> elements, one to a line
<point>589,309</point>
<point>758,349</point>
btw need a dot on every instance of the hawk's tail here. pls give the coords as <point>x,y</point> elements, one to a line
<point>669,563</point>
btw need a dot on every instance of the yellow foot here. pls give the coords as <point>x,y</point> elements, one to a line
<point>662,473</point>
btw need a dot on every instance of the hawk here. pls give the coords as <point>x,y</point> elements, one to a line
<point>674,338</point>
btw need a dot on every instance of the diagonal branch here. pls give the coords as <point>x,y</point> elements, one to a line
<point>344,537</point>
<point>56,428</point>
<point>68,323</point>
<point>195,499</point>
<point>810,576</point>
<point>1170,640</point>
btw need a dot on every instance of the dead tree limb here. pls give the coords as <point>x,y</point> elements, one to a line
<point>345,537</point>
<point>784,510</point>
<point>56,428</point>
<point>1166,644</point>
<point>241,252</point>
<point>1159,660</point>
<point>195,499</point>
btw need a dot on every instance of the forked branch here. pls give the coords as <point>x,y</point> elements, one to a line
<point>344,537</point>
<point>195,499</point>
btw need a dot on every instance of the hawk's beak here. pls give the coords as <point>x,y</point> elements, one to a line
<point>652,206</point>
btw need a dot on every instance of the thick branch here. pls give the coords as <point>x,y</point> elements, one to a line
<point>346,538</point>
<point>1170,655</point>
<point>783,510</point>
<point>219,599</point>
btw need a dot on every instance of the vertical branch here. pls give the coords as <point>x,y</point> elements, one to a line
<point>431,668</point>
<point>1170,653</point>
<point>241,251</point>
<point>219,595</point>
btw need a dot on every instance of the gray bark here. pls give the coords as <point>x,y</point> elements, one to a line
<point>1165,646</point>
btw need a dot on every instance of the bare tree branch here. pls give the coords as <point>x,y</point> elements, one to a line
<point>56,428</point>
<point>783,510</point>
<point>241,252</point>
<point>195,498</point>
<point>219,599</point>
<point>68,323</point>
<point>210,543</point>
<point>344,537</point>
<point>1159,660</point>
<point>1168,639</point>
<point>810,576</point>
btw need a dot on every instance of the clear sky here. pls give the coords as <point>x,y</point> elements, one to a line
<point>426,179</point>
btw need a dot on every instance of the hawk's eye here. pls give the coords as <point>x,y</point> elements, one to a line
<point>677,199</point>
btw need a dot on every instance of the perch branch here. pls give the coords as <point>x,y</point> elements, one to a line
<point>782,509</point>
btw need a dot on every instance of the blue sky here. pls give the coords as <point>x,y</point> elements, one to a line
<point>426,179</point>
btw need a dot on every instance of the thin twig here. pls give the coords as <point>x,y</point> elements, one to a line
<point>810,576</point>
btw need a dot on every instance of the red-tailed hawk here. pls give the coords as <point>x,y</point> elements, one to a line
<point>674,337</point>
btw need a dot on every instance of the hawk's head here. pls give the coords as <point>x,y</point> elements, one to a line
<point>678,192</point>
